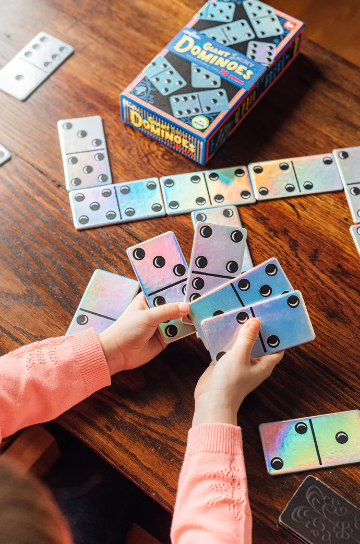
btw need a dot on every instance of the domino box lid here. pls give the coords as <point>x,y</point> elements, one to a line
<point>197,90</point>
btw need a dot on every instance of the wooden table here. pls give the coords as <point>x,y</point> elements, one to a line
<point>140,423</point>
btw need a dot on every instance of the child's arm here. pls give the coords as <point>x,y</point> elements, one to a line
<point>40,381</point>
<point>212,505</point>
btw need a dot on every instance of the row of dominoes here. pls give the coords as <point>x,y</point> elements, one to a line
<point>86,166</point>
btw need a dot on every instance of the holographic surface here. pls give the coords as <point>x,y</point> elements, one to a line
<point>84,153</point>
<point>140,199</point>
<point>216,258</point>
<point>285,323</point>
<point>263,52</point>
<point>106,298</point>
<point>162,272</point>
<point>262,282</point>
<point>94,207</point>
<point>311,443</point>
<point>33,64</point>
<point>5,155</point>
<point>184,193</point>
<point>348,163</point>
<point>355,233</point>
<point>294,177</point>
<point>228,216</point>
<point>229,186</point>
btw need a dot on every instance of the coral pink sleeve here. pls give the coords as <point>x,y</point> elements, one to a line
<point>212,505</point>
<point>40,381</point>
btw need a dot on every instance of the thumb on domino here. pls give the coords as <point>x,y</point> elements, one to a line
<point>166,312</point>
<point>247,337</point>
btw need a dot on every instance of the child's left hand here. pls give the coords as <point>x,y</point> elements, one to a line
<point>134,339</point>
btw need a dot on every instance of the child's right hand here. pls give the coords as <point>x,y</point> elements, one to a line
<point>222,388</point>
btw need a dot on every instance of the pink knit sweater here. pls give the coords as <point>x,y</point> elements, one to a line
<point>40,381</point>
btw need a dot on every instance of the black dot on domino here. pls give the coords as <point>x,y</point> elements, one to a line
<point>217,312</point>
<point>293,301</point>
<point>308,185</point>
<point>169,183</point>
<point>219,198</point>
<point>159,261</point>
<point>156,207</point>
<point>151,185</point>
<point>129,212</point>
<point>239,172</point>
<point>273,341</point>
<point>277,463</point>
<point>79,197</point>
<point>232,267</point>
<point>220,354</point>
<point>171,331</point>
<point>244,285</point>
<point>139,253</point>
<point>263,191</point>
<point>242,317</point>
<point>82,319</point>
<point>343,154</point>
<point>194,296</point>
<point>213,176</point>
<point>198,283</point>
<point>179,270</point>
<point>200,201</point>
<point>201,261</point>
<point>341,437</point>
<point>271,269</point>
<point>195,179</point>
<point>284,166</point>
<point>355,191</point>
<point>125,189</point>
<point>227,212</point>
<point>301,427</point>
<point>183,289</point>
<point>206,231</point>
<point>173,204</point>
<point>245,194</point>
<point>327,160</point>
<point>94,206</point>
<point>258,169</point>
<point>289,187</point>
<point>201,217</point>
<point>236,236</point>
<point>159,301</point>
<point>265,290</point>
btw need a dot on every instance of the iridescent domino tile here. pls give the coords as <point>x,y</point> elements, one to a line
<point>311,443</point>
<point>106,298</point>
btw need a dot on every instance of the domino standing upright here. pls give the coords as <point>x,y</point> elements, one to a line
<point>294,177</point>
<point>262,282</point>
<point>162,272</point>
<point>228,216</point>
<point>311,442</point>
<point>285,323</point>
<point>106,298</point>
<point>348,163</point>
<point>33,64</point>
<point>84,153</point>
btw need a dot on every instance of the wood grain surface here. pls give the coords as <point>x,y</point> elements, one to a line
<point>140,423</point>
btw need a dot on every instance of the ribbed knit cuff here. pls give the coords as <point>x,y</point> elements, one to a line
<point>215,438</point>
<point>91,360</point>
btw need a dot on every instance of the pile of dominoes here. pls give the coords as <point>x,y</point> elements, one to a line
<point>95,201</point>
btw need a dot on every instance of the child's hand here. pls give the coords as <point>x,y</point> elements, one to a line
<point>134,338</point>
<point>222,388</point>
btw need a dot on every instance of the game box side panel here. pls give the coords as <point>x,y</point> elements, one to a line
<point>162,130</point>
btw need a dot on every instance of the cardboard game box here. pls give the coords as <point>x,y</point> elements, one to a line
<point>197,90</point>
